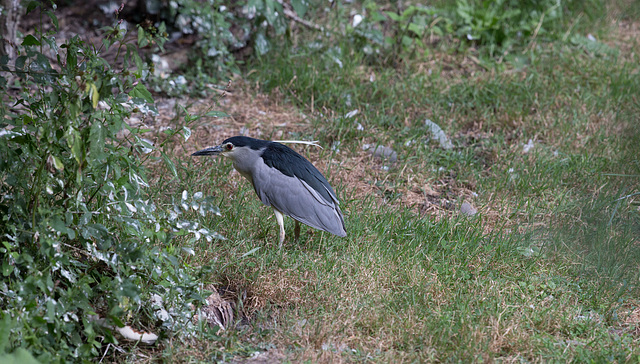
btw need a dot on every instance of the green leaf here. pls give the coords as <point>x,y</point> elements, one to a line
<point>407,41</point>
<point>51,310</point>
<point>74,141</point>
<point>77,149</point>
<point>141,91</point>
<point>138,62</point>
<point>416,29</point>
<point>93,93</point>
<point>58,225</point>
<point>32,5</point>
<point>117,321</point>
<point>217,114</point>
<point>57,163</point>
<point>54,19</point>
<point>86,217</point>
<point>30,40</point>
<point>300,7</point>
<point>262,45</point>
<point>19,356</point>
<point>270,11</point>
<point>96,138</point>
<point>258,4</point>
<point>7,268</point>
<point>95,231</point>
<point>411,10</point>
<point>142,38</point>
<point>20,62</point>
<point>169,164</point>
<point>393,16</point>
<point>162,36</point>
<point>41,69</point>
<point>186,133</point>
<point>41,63</point>
<point>54,98</point>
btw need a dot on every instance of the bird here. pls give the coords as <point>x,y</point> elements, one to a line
<point>286,181</point>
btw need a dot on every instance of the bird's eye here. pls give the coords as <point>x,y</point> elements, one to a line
<point>228,146</point>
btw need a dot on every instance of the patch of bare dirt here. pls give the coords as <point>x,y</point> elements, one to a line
<point>271,356</point>
<point>627,38</point>
<point>629,321</point>
<point>623,16</point>
<point>254,115</point>
<point>452,67</point>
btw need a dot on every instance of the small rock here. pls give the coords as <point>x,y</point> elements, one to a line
<point>336,146</point>
<point>527,147</point>
<point>161,66</point>
<point>382,152</point>
<point>468,209</point>
<point>438,134</point>
<point>357,19</point>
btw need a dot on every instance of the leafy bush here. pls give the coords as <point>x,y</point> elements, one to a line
<point>504,23</point>
<point>80,237</point>
<point>496,26</point>
<point>224,27</point>
<point>212,22</point>
<point>390,35</point>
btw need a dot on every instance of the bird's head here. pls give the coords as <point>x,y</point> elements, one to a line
<point>237,147</point>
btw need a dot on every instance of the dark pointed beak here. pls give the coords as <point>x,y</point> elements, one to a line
<point>209,151</point>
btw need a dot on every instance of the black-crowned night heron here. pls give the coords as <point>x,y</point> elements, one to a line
<point>286,181</point>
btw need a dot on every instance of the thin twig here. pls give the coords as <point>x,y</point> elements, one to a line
<point>314,143</point>
<point>535,34</point>
<point>291,14</point>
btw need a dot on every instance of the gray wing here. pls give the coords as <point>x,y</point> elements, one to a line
<point>295,198</point>
<point>292,164</point>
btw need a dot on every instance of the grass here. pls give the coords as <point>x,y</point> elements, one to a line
<point>547,271</point>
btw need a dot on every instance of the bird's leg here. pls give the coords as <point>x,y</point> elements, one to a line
<point>296,232</point>
<point>280,219</point>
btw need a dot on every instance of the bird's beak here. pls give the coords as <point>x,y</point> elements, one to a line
<point>209,151</point>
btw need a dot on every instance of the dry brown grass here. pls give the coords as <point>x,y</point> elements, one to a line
<point>625,36</point>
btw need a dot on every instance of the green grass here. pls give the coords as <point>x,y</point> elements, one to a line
<point>404,288</point>
<point>542,273</point>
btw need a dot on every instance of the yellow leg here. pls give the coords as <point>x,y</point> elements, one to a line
<point>280,220</point>
<point>297,232</point>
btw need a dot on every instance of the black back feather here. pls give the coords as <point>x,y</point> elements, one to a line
<point>290,163</point>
